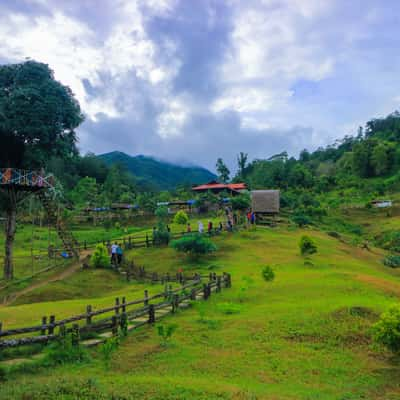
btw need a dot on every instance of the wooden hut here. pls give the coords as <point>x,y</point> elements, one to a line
<point>265,202</point>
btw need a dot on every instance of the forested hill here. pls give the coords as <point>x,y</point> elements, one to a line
<point>158,174</point>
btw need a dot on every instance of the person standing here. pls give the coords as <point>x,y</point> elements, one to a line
<point>209,227</point>
<point>119,255</point>
<point>201,227</point>
<point>189,228</point>
<point>114,257</point>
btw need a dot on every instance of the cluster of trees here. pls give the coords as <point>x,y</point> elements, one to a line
<point>373,153</point>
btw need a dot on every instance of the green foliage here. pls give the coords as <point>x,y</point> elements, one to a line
<point>392,261</point>
<point>229,308</point>
<point>64,351</point>
<point>165,332</point>
<point>268,274</point>
<point>86,192</point>
<point>241,202</point>
<point>307,245</point>
<point>100,257</point>
<point>38,116</point>
<point>387,330</point>
<point>3,374</point>
<point>107,349</point>
<point>301,219</point>
<point>181,218</point>
<point>223,170</point>
<point>194,245</point>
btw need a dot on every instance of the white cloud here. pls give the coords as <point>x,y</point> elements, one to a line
<point>272,47</point>
<point>76,54</point>
<point>173,118</point>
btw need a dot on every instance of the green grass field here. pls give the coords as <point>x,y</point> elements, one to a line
<point>303,336</point>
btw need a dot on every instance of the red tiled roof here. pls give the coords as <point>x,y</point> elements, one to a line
<point>216,185</point>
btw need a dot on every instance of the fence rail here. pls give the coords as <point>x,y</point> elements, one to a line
<point>120,314</point>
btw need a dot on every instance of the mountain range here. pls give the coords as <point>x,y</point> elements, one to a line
<point>157,174</point>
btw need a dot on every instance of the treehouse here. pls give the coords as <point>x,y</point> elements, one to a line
<point>24,180</point>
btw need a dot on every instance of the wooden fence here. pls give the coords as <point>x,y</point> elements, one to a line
<point>122,315</point>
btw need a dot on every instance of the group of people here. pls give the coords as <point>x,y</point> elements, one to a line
<point>251,217</point>
<point>116,254</point>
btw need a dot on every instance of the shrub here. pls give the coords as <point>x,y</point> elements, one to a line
<point>3,374</point>
<point>107,348</point>
<point>301,220</point>
<point>268,274</point>
<point>387,330</point>
<point>194,245</point>
<point>64,351</point>
<point>241,202</point>
<point>100,258</point>
<point>165,332</point>
<point>307,246</point>
<point>392,260</point>
<point>181,218</point>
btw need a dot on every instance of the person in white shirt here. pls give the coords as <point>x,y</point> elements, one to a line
<point>201,227</point>
<point>114,257</point>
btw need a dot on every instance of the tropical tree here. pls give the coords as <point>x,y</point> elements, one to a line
<point>242,164</point>
<point>223,170</point>
<point>38,117</point>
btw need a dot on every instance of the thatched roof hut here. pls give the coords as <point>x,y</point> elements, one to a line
<point>265,201</point>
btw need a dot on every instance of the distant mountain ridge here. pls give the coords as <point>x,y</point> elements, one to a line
<point>161,175</point>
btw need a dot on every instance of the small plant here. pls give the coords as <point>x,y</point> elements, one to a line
<point>64,351</point>
<point>107,348</point>
<point>194,245</point>
<point>392,261</point>
<point>387,330</point>
<point>3,374</point>
<point>268,274</point>
<point>181,218</point>
<point>165,332</point>
<point>100,258</point>
<point>229,308</point>
<point>307,246</point>
<point>246,284</point>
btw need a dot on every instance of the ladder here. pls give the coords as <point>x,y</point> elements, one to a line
<point>71,245</point>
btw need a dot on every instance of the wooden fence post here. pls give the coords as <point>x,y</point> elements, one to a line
<point>152,314</point>
<point>147,240</point>
<point>228,281</point>
<point>51,324</point>
<point>75,335</point>
<point>117,305</point>
<point>175,302</point>
<point>114,325</point>
<point>124,305</point>
<point>44,323</point>
<point>166,291</point>
<point>1,326</point>
<point>146,297</point>
<point>85,245</point>
<point>62,331</point>
<point>193,294</point>
<point>218,283</point>
<point>88,314</point>
<point>205,291</point>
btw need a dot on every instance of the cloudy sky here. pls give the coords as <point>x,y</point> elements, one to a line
<point>197,79</point>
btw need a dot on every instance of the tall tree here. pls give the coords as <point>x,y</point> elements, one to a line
<point>223,171</point>
<point>38,117</point>
<point>242,164</point>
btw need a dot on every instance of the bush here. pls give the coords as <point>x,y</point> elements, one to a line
<point>392,261</point>
<point>64,351</point>
<point>307,246</point>
<point>241,202</point>
<point>268,274</point>
<point>100,258</point>
<point>387,330</point>
<point>194,245</point>
<point>301,220</point>
<point>165,332</point>
<point>181,218</point>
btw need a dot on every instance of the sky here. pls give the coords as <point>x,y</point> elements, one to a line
<point>194,80</point>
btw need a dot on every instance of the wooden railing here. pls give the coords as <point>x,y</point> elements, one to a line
<point>131,314</point>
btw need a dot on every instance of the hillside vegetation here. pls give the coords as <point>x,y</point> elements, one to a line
<point>306,335</point>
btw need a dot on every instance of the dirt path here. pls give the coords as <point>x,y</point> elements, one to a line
<point>65,273</point>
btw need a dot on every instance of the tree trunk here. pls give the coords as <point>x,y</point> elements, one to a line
<point>11,224</point>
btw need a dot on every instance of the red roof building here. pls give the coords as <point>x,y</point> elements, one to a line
<point>216,187</point>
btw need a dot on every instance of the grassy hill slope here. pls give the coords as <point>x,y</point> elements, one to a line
<point>303,336</point>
